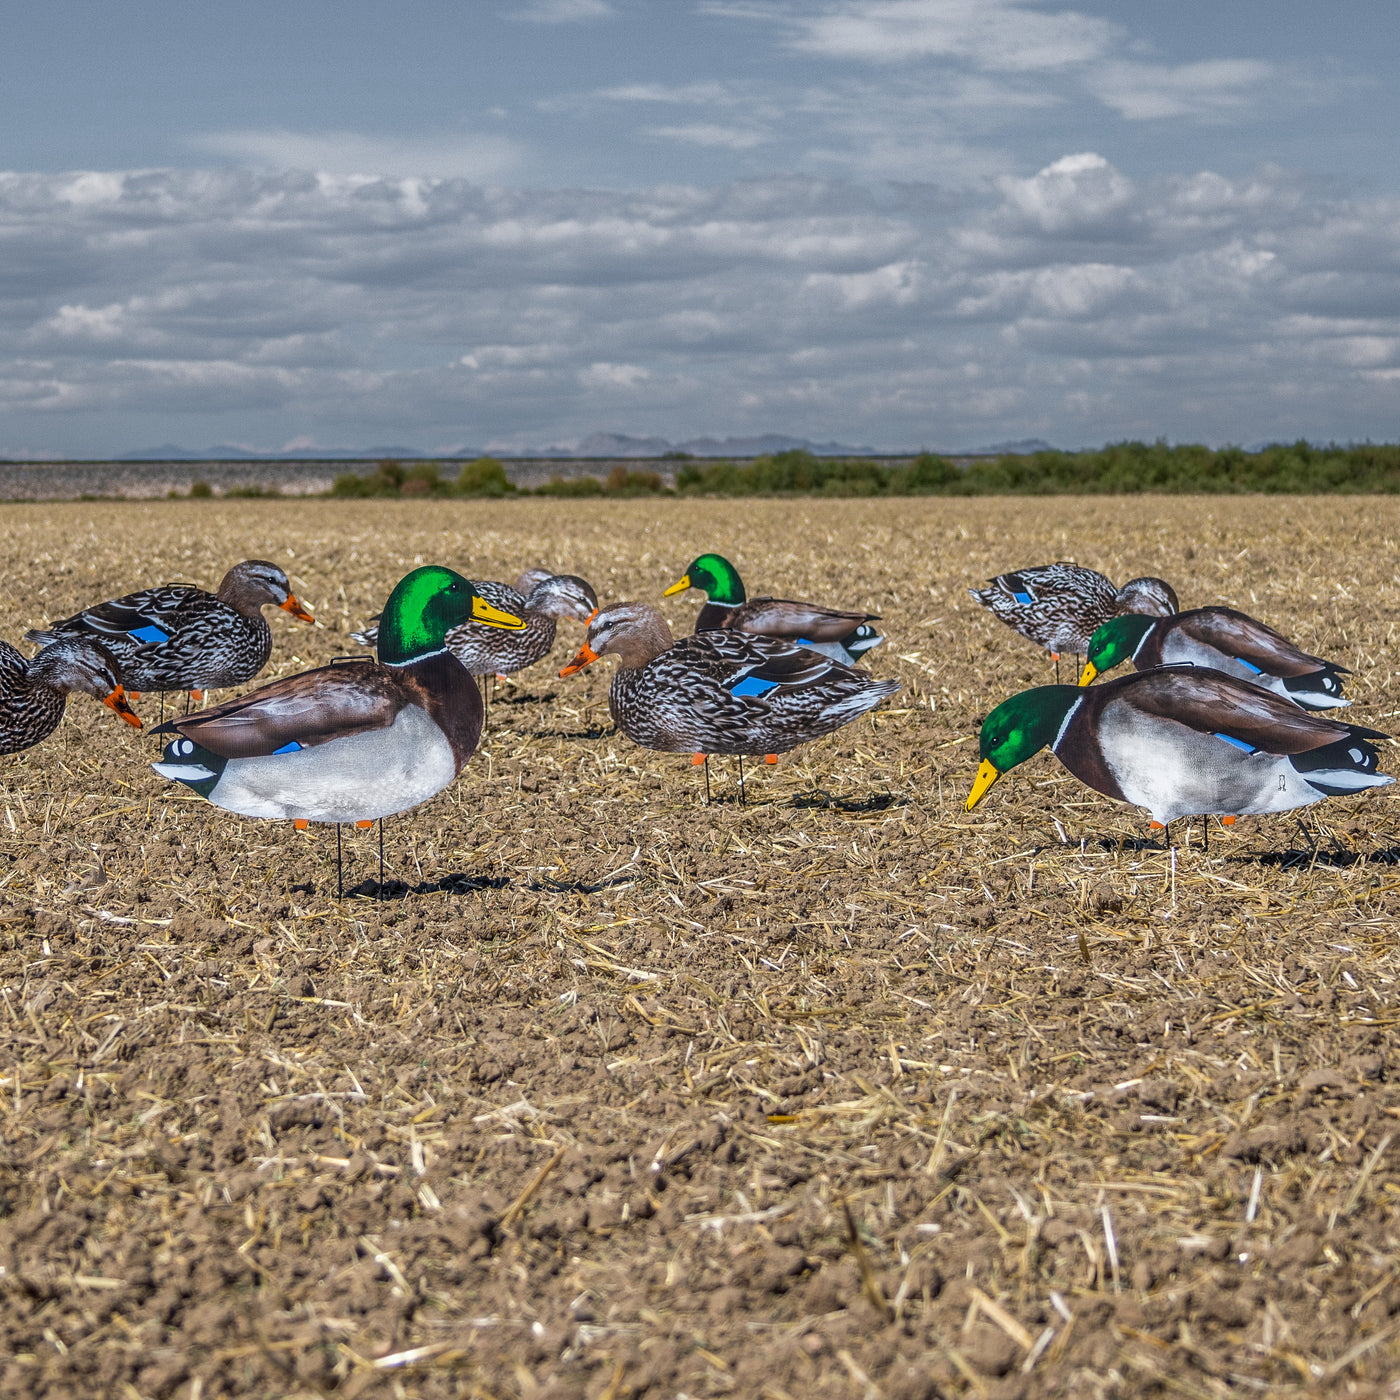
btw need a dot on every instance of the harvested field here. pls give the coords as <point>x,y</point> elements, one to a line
<point>844,1093</point>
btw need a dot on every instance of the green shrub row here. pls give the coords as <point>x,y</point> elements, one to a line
<point>1120,468</point>
<point>486,477</point>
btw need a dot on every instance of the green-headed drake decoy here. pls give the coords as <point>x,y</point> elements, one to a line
<point>177,637</point>
<point>843,636</point>
<point>1223,640</point>
<point>721,691</point>
<point>354,742</point>
<point>33,693</point>
<point>488,651</point>
<point>1182,741</point>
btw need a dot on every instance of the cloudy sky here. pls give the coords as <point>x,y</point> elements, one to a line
<point>899,223</point>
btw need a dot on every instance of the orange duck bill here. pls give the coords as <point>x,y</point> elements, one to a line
<point>117,701</point>
<point>296,609</point>
<point>586,654</point>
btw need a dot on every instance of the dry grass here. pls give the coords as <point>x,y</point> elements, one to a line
<point>845,1093</point>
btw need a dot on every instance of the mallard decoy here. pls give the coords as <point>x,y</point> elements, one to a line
<point>177,637</point>
<point>1059,606</point>
<point>33,693</point>
<point>487,651</point>
<point>1182,741</point>
<point>843,636</point>
<point>1223,640</point>
<point>355,742</point>
<point>721,691</point>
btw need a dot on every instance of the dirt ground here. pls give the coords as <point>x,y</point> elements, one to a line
<point>842,1093</point>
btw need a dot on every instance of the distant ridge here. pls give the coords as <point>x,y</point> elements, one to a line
<point>594,445</point>
<point>225,452</point>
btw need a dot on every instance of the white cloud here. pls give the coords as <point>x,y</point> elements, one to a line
<point>1075,193</point>
<point>560,11</point>
<point>992,55</point>
<point>1067,302</point>
<point>464,155</point>
<point>995,35</point>
<point>732,138</point>
<point>608,376</point>
<point>1214,87</point>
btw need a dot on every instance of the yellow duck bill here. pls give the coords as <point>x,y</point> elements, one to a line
<point>1090,671</point>
<point>483,612</point>
<point>680,585</point>
<point>987,774</point>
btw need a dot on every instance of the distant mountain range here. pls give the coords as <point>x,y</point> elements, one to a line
<point>595,445</point>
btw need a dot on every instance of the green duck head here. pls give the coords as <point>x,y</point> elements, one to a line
<point>716,576</point>
<point>424,606</point>
<point>1017,729</point>
<point>1115,642</point>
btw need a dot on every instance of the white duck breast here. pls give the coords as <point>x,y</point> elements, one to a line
<point>1174,771</point>
<point>411,760</point>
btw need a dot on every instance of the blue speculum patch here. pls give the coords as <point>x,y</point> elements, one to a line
<point>1249,666</point>
<point>1022,598</point>
<point>752,685</point>
<point>290,747</point>
<point>149,633</point>
<point>1238,743</point>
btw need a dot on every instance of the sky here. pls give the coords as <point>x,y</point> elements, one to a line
<point>510,224</point>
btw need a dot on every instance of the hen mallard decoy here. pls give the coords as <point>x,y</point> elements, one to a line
<point>1223,640</point>
<point>488,651</point>
<point>177,637</point>
<point>354,742</point>
<point>1059,606</point>
<point>721,692</point>
<point>843,636</point>
<point>33,693</point>
<point>1182,741</point>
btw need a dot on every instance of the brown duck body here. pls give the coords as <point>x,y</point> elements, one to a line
<point>177,637</point>
<point>722,692</point>
<point>1060,606</point>
<point>783,618</point>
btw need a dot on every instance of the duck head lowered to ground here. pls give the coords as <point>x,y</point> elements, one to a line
<point>33,693</point>
<point>1222,639</point>
<point>1182,741</point>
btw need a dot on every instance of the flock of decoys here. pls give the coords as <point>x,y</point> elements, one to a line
<point>1217,717</point>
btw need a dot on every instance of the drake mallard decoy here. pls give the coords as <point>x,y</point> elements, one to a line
<point>33,693</point>
<point>487,651</point>
<point>843,636</point>
<point>1059,606</point>
<point>1223,640</point>
<point>1182,741</point>
<point>721,692</point>
<point>177,637</point>
<point>353,742</point>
